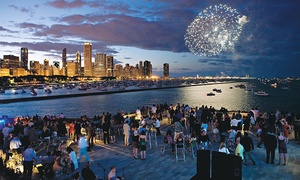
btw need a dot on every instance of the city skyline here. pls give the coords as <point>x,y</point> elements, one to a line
<point>134,31</point>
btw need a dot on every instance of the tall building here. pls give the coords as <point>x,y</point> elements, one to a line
<point>87,49</point>
<point>147,69</point>
<point>110,66</point>
<point>166,70</point>
<point>10,62</point>
<point>64,61</point>
<point>35,67</point>
<point>46,67</point>
<point>78,64</point>
<point>24,58</point>
<point>100,65</point>
<point>72,68</point>
<point>141,69</point>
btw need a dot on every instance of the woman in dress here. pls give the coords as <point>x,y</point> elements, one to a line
<point>143,142</point>
<point>135,141</point>
<point>282,148</point>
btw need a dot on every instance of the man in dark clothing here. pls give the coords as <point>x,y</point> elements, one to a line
<point>77,129</point>
<point>270,142</point>
<point>90,133</point>
<point>247,143</point>
<point>106,127</point>
<point>87,173</point>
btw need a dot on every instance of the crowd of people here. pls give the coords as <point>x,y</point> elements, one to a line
<point>190,126</point>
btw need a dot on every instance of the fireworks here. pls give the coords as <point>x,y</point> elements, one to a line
<point>216,29</point>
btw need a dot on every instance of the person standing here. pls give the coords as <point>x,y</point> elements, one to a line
<point>135,141</point>
<point>270,144</point>
<point>247,142</point>
<point>77,128</point>
<point>157,126</point>
<point>143,142</point>
<point>82,146</point>
<point>126,132</point>
<point>239,150</point>
<point>106,127</point>
<point>73,159</point>
<point>282,148</point>
<point>90,132</point>
<point>29,156</point>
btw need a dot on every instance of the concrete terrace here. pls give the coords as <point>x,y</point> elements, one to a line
<point>160,165</point>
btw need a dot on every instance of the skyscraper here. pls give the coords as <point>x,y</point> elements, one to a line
<point>64,58</point>
<point>100,65</point>
<point>78,64</point>
<point>87,49</point>
<point>147,69</point>
<point>110,66</point>
<point>24,58</point>
<point>166,70</point>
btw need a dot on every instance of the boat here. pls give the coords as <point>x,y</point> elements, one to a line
<point>23,91</point>
<point>285,88</point>
<point>33,92</point>
<point>261,93</point>
<point>274,85</point>
<point>210,94</point>
<point>217,90</point>
<point>48,90</point>
<point>242,86</point>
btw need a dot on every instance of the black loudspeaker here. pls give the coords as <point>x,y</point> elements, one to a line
<point>203,165</point>
<point>234,167</point>
<point>219,165</point>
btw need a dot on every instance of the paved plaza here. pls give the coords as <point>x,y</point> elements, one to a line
<point>160,165</point>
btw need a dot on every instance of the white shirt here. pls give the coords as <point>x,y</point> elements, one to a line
<point>126,129</point>
<point>153,109</point>
<point>224,150</point>
<point>138,112</point>
<point>82,143</point>
<point>15,143</point>
<point>235,122</point>
<point>157,123</point>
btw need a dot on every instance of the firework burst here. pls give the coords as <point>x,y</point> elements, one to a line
<point>216,29</point>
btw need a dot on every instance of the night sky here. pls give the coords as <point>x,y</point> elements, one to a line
<point>154,30</point>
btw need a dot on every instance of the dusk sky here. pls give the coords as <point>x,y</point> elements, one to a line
<point>154,30</point>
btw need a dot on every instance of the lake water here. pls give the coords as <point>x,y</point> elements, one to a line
<point>232,99</point>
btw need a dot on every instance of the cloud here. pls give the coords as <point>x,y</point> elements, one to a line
<point>63,4</point>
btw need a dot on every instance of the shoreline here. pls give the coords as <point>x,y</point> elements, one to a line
<point>39,98</point>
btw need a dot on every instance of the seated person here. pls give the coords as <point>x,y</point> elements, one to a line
<point>180,141</point>
<point>46,134</point>
<point>204,139</point>
<point>56,166</point>
<point>87,173</point>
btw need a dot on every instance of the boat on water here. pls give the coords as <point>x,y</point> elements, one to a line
<point>285,88</point>
<point>48,90</point>
<point>261,93</point>
<point>33,92</point>
<point>242,86</point>
<point>274,85</point>
<point>217,90</point>
<point>210,94</point>
<point>23,91</point>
